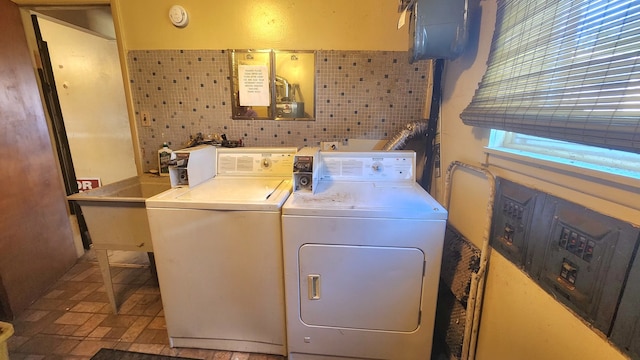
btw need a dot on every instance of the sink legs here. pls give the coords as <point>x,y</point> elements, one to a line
<point>103,261</point>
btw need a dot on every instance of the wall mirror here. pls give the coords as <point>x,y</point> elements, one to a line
<point>272,84</point>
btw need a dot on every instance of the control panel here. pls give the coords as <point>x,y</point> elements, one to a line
<point>255,161</point>
<point>305,170</point>
<point>192,166</point>
<point>368,166</point>
<point>580,256</point>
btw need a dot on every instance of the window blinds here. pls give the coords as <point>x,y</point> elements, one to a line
<point>566,70</point>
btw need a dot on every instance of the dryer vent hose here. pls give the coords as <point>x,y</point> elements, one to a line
<point>399,141</point>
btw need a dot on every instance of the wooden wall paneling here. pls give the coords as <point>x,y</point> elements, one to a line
<point>36,241</point>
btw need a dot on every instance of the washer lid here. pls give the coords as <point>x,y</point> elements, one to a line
<point>227,193</point>
<point>403,200</point>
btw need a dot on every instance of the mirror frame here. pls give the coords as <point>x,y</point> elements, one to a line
<point>273,111</point>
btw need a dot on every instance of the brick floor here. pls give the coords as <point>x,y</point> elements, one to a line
<point>73,319</point>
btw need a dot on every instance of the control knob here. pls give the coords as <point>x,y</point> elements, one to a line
<point>377,167</point>
<point>304,181</point>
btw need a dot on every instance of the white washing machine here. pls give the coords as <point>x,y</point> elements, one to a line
<point>362,251</point>
<point>218,253</point>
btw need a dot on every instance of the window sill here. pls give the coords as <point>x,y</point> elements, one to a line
<point>618,189</point>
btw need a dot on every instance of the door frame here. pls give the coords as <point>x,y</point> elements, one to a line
<point>58,130</point>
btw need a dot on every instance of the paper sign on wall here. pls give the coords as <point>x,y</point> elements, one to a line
<point>253,85</point>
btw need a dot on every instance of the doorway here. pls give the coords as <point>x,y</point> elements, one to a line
<point>84,92</point>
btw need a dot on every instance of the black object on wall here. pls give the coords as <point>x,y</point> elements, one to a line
<point>626,325</point>
<point>432,127</point>
<point>52,105</point>
<point>582,257</point>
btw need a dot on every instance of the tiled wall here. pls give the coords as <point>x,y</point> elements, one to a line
<point>359,95</point>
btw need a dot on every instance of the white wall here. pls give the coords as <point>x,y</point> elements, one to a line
<point>89,83</point>
<point>519,320</point>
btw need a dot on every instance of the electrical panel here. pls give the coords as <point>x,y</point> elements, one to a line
<point>586,259</point>
<point>513,214</point>
<point>582,257</point>
<point>626,326</point>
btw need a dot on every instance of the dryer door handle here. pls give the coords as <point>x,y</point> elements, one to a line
<point>313,286</point>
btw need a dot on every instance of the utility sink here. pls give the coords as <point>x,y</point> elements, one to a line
<point>116,218</point>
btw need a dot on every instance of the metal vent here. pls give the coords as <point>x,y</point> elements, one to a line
<point>460,260</point>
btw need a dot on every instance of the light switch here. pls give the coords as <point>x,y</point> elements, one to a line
<point>145,118</point>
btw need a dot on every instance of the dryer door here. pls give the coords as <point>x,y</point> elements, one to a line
<point>361,287</point>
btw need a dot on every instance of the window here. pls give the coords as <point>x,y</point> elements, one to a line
<point>615,162</point>
<point>563,70</point>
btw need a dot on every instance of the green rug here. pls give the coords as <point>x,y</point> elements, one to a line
<point>111,354</point>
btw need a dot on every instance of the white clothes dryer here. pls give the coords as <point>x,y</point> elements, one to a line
<point>362,254</point>
<point>218,253</point>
